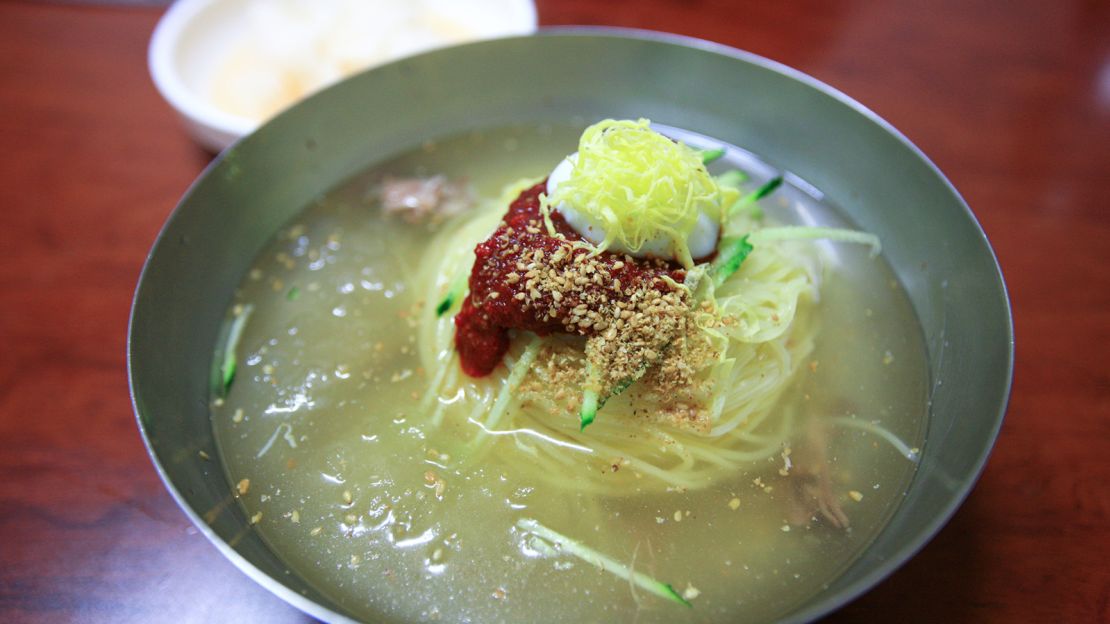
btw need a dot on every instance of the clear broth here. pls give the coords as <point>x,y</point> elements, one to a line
<point>322,420</point>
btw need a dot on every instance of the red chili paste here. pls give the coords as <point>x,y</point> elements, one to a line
<point>502,297</point>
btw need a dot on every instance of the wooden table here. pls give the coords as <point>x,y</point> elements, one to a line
<point>1010,99</point>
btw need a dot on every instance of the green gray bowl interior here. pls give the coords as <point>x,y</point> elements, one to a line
<point>793,122</point>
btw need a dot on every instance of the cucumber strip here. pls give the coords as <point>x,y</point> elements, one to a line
<point>227,362</point>
<point>732,178</point>
<point>730,258</point>
<point>593,557</point>
<point>453,295</point>
<point>800,232</point>
<point>517,372</point>
<point>903,449</point>
<point>751,198</point>
<point>589,409</point>
<point>592,399</point>
<point>625,383</point>
<point>708,156</point>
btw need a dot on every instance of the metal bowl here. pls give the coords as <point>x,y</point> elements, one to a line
<point>859,161</point>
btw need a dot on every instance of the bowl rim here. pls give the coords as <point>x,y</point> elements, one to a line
<point>825,606</point>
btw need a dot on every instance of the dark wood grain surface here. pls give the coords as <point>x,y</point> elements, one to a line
<point>1010,99</point>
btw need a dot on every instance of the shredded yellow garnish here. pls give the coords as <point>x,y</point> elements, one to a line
<point>639,185</point>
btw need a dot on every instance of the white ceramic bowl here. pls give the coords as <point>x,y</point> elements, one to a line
<point>195,37</point>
